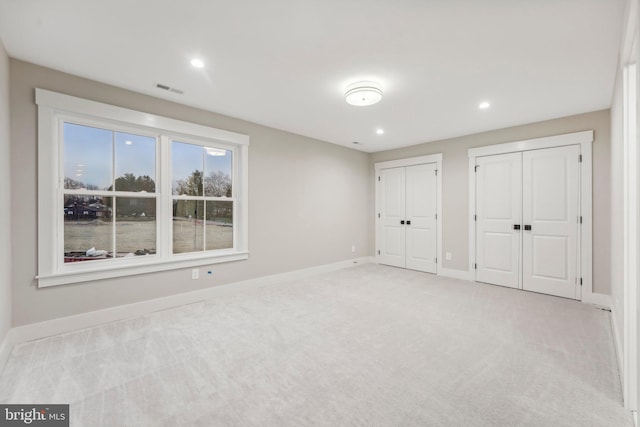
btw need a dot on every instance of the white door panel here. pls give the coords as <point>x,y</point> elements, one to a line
<point>498,209</point>
<point>407,224</point>
<point>497,249</point>
<point>421,204</point>
<point>551,208</point>
<point>392,213</point>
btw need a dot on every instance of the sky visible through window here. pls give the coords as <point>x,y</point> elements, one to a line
<point>90,153</point>
<point>187,158</point>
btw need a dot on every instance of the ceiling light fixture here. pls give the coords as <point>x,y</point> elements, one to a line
<point>128,142</point>
<point>380,131</point>
<point>484,105</point>
<point>197,63</point>
<point>362,94</point>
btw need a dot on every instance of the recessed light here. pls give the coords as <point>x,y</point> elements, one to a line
<point>380,131</point>
<point>362,94</point>
<point>197,63</point>
<point>484,105</point>
<point>128,142</point>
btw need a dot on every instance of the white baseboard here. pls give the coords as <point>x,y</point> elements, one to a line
<point>635,417</point>
<point>456,274</point>
<point>94,318</point>
<point>5,348</point>
<point>597,299</point>
<point>618,344</point>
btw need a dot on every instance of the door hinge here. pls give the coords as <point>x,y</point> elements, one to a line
<point>378,179</point>
<point>580,158</point>
<point>436,172</point>
<point>378,251</point>
<point>475,217</point>
<point>378,214</point>
<point>581,281</point>
<point>475,266</point>
<point>435,260</point>
<point>435,216</point>
<point>580,219</point>
<point>475,168</point>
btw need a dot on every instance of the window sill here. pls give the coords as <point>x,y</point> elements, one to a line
<point>154,266</point>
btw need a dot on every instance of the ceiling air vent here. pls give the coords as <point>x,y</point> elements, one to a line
<point>169,88</point>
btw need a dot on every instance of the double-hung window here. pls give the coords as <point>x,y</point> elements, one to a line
<point>122,192</point>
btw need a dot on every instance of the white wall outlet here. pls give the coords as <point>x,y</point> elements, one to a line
<point>195,273</point>
<point>353,248</point>
<point>448,256</point>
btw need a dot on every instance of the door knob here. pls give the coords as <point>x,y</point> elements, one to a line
<point>408,222</point>
<point>527,227</point>
<point>402,222</point>
<point>516,226</point>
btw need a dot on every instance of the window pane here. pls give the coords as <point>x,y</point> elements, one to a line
<point>135,162</point>
<point>188,227</point>
<point>188,165</point>
<point>88,232</point>
<point>135,226</point>
<point>219,225</point>
<point>88,157</point>
<point>217,169</point>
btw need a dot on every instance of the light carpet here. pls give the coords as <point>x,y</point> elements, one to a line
<point>364,346</point>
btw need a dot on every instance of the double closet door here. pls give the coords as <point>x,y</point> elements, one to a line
<point>408,216</point>
<point>528,220</point>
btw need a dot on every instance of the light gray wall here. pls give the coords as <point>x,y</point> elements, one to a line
<point>5,198</point>
<point>309,202</point>
<point>455,179</point>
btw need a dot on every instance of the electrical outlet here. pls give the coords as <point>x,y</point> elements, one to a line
<point>353,248</point>
<point>448,256</point>
<point>195,274</point>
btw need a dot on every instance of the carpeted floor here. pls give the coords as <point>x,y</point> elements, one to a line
<point>364,346</point>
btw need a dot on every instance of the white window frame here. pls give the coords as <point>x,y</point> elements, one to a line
<point>54,109</point>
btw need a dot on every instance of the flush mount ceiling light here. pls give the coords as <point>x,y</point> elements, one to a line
<point>484,105</point>
<point>380,131</point>
<point>362,94</point>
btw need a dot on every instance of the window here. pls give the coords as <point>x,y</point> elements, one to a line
<point>202,198</point>
<point>109,181</point>
<point>122,192</point>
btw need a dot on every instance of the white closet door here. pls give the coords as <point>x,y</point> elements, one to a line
<point>498,209</point>
<point>421,204</point>
<point>392,217</point>
<point>550,207</point>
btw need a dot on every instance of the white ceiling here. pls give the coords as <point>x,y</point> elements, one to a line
<point>286,63</point>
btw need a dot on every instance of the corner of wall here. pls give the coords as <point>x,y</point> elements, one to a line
<point>616,331</point>
<point>5,219</point>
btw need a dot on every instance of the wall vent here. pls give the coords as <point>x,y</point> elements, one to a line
<point>168,88</point>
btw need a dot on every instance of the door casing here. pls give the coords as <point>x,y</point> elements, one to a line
<point>433,158</point>
<point>585,140</point>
